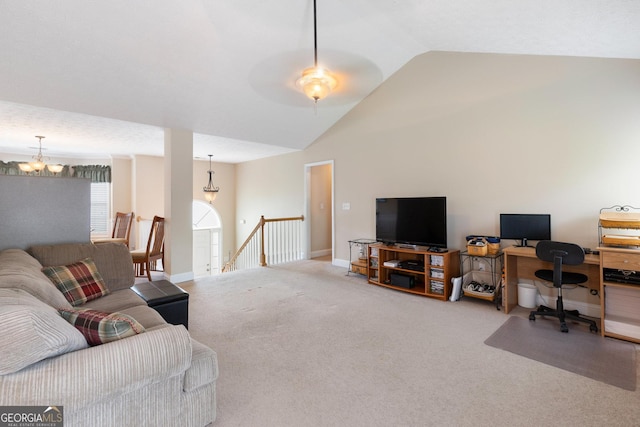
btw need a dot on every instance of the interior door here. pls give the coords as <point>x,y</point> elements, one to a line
<point>201,252</point>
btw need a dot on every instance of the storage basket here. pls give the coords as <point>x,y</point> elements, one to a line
<point>477,247</point>
<point>620,240</point>
<point>493,245</point>
<point>483,277</point>
<point>622,220</point>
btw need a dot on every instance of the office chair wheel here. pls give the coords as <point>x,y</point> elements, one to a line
<point>532,317</point>
<point>593,328</point>
<point>563,327</point>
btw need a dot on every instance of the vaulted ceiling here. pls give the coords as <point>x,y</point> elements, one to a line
<point>104,78</point>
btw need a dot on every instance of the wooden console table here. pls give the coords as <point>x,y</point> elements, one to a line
<point>522,263</point>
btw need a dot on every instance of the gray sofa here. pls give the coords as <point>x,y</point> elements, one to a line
<point>160,377</point>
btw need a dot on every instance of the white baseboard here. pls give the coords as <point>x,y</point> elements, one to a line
<point>179,278</point>
<point>341,263</point>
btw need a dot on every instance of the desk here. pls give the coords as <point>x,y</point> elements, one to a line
<point>522,263</point>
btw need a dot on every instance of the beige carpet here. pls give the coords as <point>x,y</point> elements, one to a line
<point>304,345</point>
<point>604,359</point>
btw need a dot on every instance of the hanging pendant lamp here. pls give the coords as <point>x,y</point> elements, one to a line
<point>38,164</point>
<point>210,192</point>
<point>316,82</point>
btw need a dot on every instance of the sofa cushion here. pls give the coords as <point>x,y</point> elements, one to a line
<point>146,316</point>
<point>19,270</point>
<point>99,327</point>
<point>112,259</point>
<point>32,331</point>
<point>79,282</point>
<point>116,301</point>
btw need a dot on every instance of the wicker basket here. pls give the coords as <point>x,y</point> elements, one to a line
<point>623,220</point>
<point>477,247</point>
<point>620,240</point>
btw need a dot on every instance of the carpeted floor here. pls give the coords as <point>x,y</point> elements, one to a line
<point>302,344</point>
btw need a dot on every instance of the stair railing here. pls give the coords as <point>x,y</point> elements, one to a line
<point>272,241</point>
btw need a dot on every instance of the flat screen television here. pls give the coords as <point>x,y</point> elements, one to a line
<point>525,227</point>
<point>420,221</point>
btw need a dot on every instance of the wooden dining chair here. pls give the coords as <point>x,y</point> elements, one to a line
<point>122,226</point>
<point>143,260</point>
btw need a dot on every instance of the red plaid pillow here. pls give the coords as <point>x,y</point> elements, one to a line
<point>79,282</point>
<point>99,327</point>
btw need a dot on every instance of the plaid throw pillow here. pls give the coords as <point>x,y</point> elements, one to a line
<point>79,282</point>
<point>99,327</point>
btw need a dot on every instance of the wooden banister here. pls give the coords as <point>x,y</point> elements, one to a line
<point>231,264</point>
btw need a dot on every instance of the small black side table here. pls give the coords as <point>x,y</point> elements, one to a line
<point>167,299</point>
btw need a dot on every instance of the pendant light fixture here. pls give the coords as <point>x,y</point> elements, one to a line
<point>38,164</point>
<point>316,82</point>
<point>210,192</point>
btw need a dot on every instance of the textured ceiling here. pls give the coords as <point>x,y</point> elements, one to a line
<point>103,78</point>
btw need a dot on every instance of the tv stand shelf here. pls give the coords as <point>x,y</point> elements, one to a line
<point>420,271</point>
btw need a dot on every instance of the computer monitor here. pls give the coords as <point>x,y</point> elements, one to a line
<point>525,227</point>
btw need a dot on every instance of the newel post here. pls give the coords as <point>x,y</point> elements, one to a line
<point>263,259</point>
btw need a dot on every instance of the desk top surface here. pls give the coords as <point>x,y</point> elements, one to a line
<point>531,253</point>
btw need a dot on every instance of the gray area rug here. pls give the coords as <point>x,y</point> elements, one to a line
<point>579,351</point>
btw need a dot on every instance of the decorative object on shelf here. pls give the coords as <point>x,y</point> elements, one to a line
<point>619,219</point>
<point>38,163</point>
<point>210,192</point>
<point>316,82</point>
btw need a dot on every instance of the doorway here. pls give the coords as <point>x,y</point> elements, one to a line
<point>207,239</point>
<point>319,221</point>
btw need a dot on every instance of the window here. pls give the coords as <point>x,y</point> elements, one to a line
<point>100,197</point>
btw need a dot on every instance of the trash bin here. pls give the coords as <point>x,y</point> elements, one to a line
<point>527,295</point>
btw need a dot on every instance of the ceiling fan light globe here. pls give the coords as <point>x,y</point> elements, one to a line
<point>317,83</point>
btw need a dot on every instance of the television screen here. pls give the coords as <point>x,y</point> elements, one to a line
<point>418,221</point>
<point>524,227</point>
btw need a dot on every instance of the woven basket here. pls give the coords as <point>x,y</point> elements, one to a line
<point>623,220</point>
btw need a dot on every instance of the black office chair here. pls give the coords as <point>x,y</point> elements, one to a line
<point>560,253</point>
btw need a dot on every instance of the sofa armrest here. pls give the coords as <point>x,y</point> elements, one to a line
<point>81,378</point>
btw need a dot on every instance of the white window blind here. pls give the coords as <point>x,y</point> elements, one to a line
<point>100,197</point>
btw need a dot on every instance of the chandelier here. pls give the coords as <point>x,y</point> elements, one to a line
<point>316,82</point>
<point>210,192</point>
<point>38,164</point>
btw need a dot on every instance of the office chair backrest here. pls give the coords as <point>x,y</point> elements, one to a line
<point>560,253</point>
<point>569,253</point>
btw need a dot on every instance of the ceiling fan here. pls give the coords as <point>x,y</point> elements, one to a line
<point>279,78</point>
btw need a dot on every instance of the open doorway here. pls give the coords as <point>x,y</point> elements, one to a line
<point>318,215</point>
<point>207,239</point>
